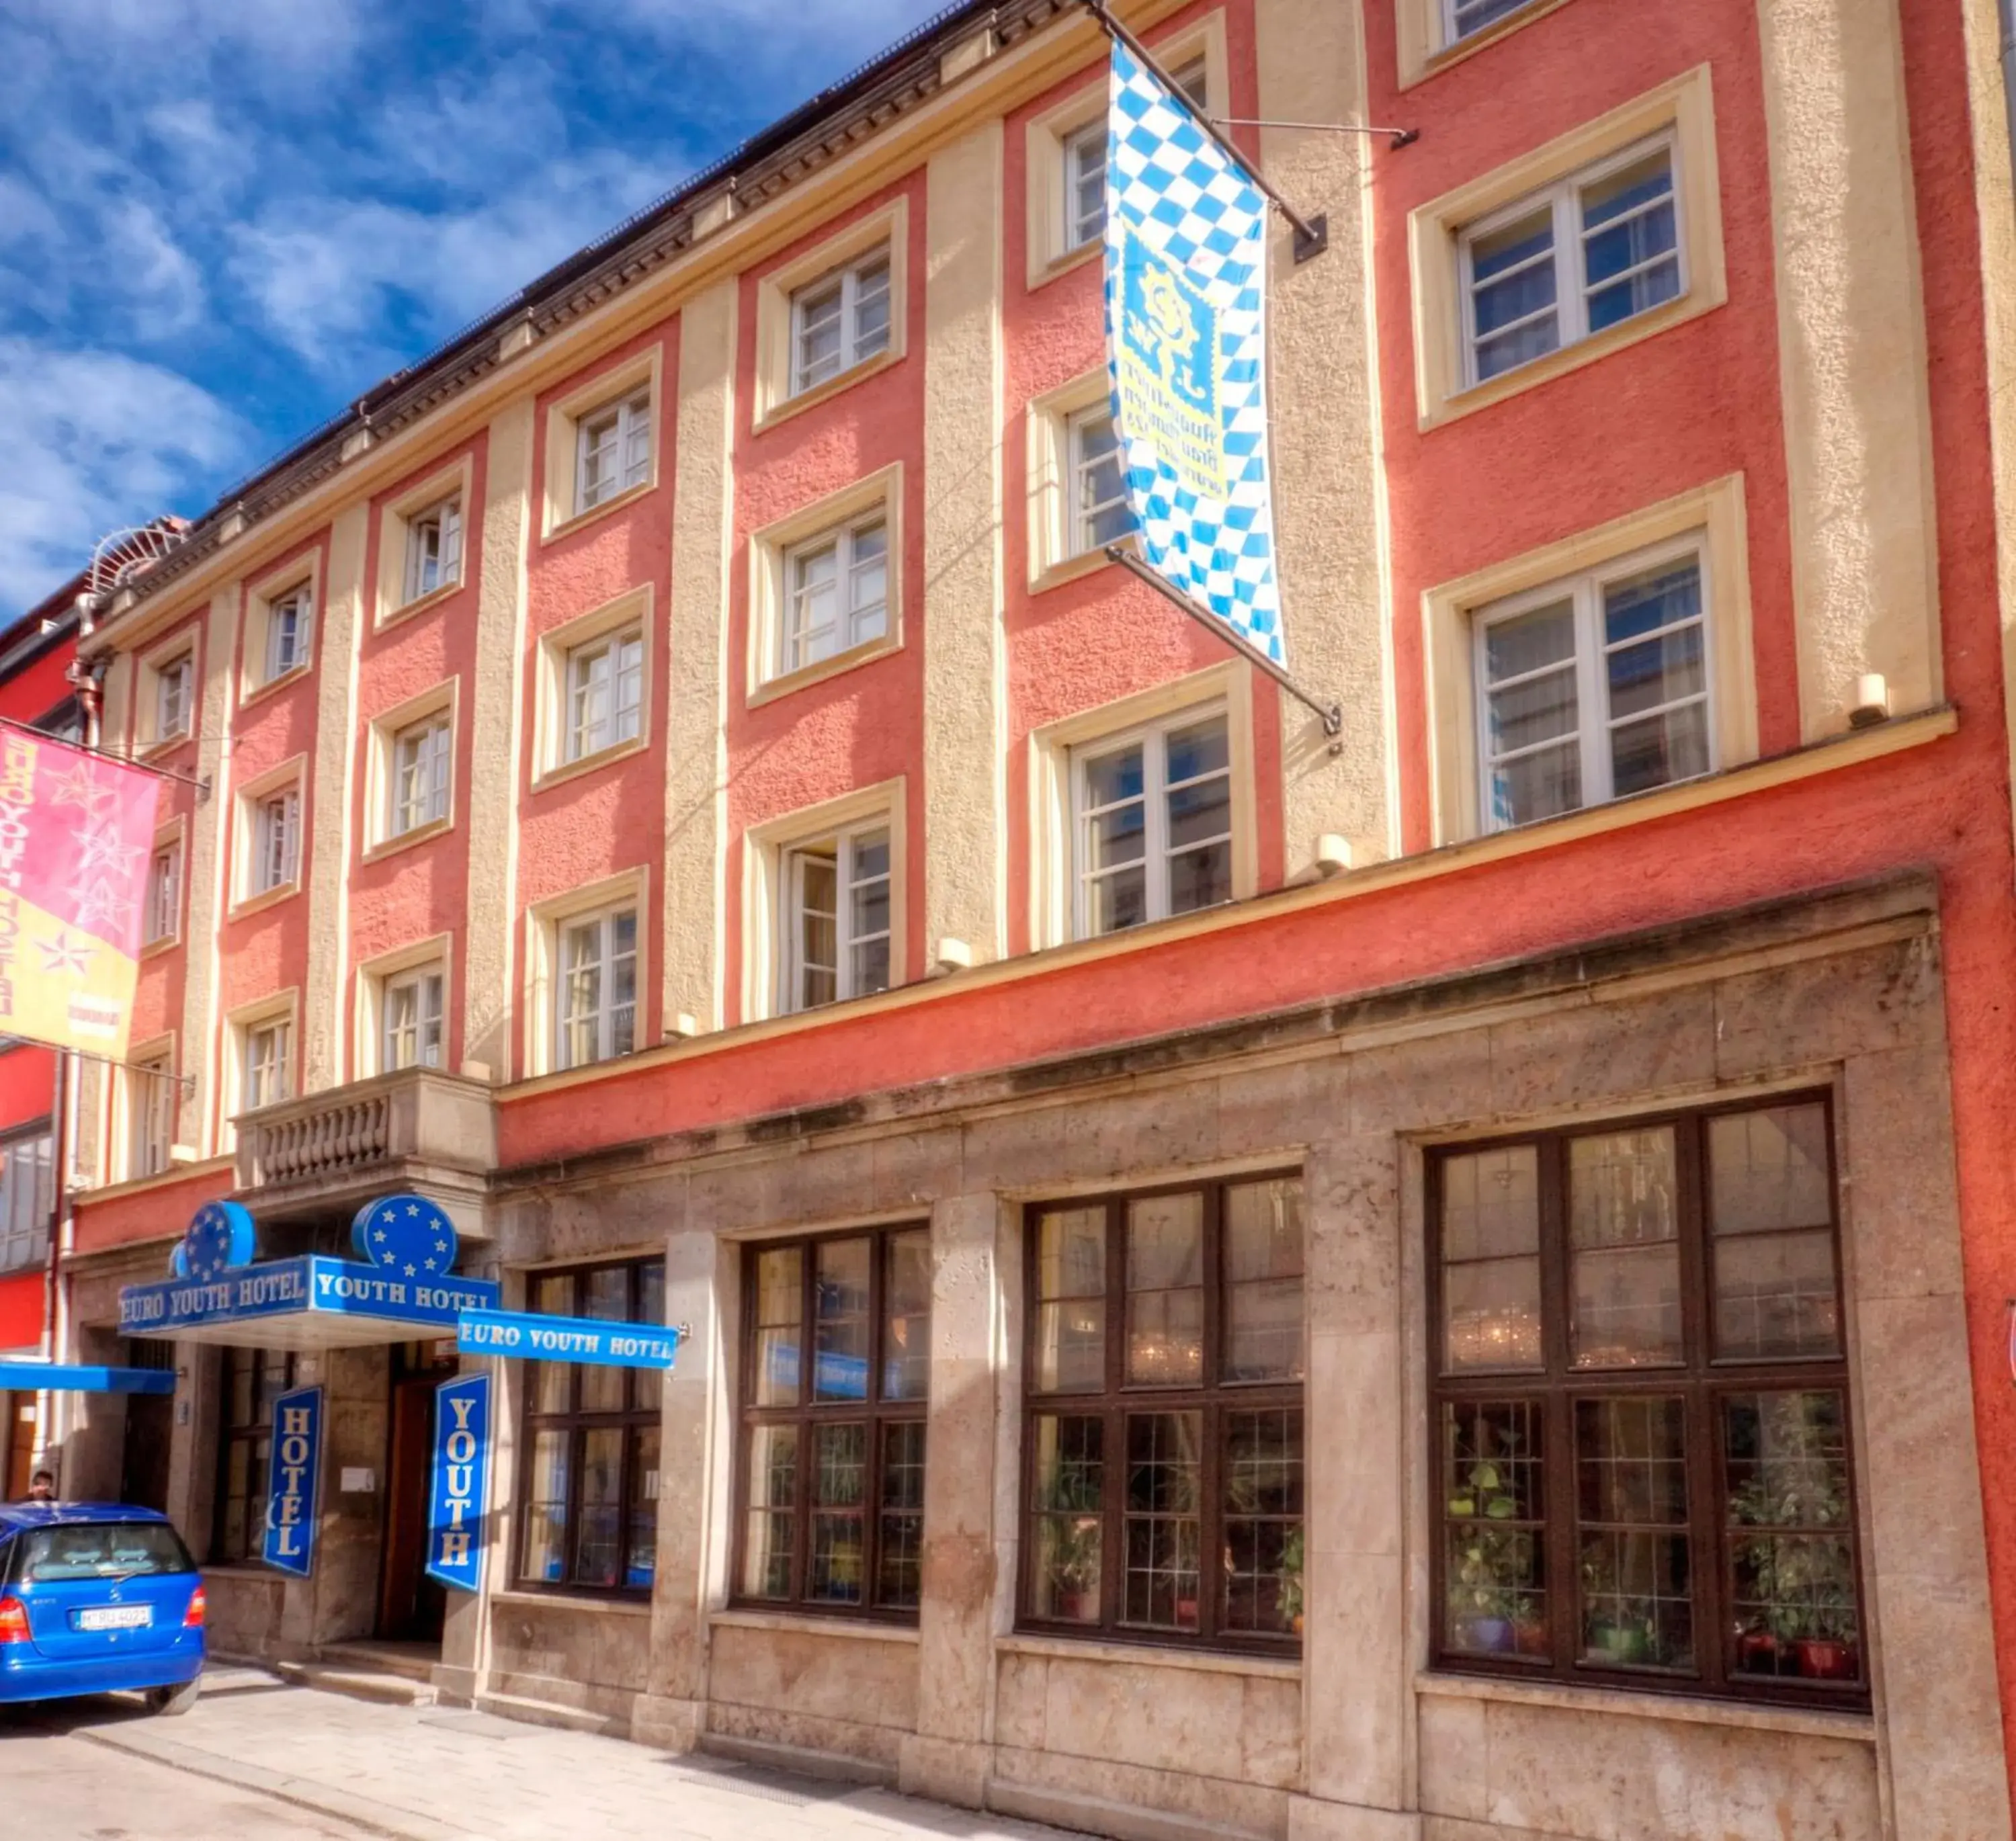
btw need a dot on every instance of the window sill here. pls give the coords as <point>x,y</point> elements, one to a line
<point>154,949</point>
<point>786,407</point>
<point>161,1179</point>
<point>769,691</point>
<point>578,520</point>
<point>391,846</point>
<point>164,745</point>
<point>1438,61</point>
<point>812,1623</point>
<point>588,764</point>
<point>623,1604</point>
<point>269,898</point>
<point>1043,274</point>
<point>1105,1649</point>
<point>1693,1709</point>
<point>420,604</point>
<point>1072,568</point>
<point>272,686</point>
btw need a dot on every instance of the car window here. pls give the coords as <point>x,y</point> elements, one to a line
<point>99,1550</point>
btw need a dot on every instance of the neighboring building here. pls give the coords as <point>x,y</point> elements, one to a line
<point>1449,1287</point>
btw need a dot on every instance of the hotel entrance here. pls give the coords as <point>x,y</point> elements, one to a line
<point>410,1605</point>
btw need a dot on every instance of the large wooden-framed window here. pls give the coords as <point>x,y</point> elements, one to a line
<point>1642,1461</point>
<point>252,1379</point>
<point>588,1511</point>
<point>1162,1484</point>
<point>837,1333</point>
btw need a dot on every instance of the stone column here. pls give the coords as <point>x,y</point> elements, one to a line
<point>948,1757</point>
<point>205,869</point>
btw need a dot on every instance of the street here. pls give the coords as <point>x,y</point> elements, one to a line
<point>257,1760</point>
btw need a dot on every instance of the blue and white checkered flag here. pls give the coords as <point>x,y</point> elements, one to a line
<point>1186,340</point>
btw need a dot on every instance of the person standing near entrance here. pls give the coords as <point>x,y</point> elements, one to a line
<point>43,1487</point>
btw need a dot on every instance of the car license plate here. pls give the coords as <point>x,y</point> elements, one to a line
<point>115,1617</point>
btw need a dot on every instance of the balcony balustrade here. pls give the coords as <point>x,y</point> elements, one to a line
<point>418,1122</point>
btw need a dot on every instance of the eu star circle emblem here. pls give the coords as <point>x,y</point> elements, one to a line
<point>220,1237</point>
<point>406,1234</point>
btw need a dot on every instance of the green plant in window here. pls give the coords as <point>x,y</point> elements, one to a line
<point>1290,1601</point>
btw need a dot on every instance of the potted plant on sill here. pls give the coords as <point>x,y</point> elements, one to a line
<point>1072,1568</point>
<point>1289,1606</point>
<point>1486,1598</point>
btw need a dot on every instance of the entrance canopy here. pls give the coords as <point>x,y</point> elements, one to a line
<point>71,1377</point>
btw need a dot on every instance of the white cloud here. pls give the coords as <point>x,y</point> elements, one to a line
<point>89,441</point>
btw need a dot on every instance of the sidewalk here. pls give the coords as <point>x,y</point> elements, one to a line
<point>441,1773</point>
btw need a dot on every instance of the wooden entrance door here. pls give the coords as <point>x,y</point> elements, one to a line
<point>143,1475</point>
<point>411,1606</point>
<point>20,1466</point>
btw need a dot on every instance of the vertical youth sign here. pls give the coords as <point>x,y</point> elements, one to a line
<point>1187,331</point>
<point>294,1467</point>
<point>461,1478</point>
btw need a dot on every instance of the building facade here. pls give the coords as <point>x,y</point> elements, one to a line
<point>1447,1283</point>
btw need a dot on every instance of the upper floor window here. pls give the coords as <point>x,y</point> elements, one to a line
<point>1098,510</point>
<point>837,593</point>
<point>1084,169</point>
<point>1163,1433</point>
<point>836,917</point>
<point>434,548</point>
<point>419,775</point>
<point>1595,687</point>
<point>152,1093</point>
<point>411,1007</point>
<point>164,892</point>
<point>175,698</point>
<point>1152,822</point>
<point>596,1014</point>
<point>1641,1451</point>
<point>612,450</point>
<point>840,320</point>
<point>289,618</point>
<point>1461,19</point>
<point>268,1075</point>
<point>276,841</point>
<point>832,1445</point>
<point>1590,252</point>
<point>604,693</point>
<point>27,1198</point>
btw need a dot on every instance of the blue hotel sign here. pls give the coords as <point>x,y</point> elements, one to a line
<point>537,1337</point>
<point>295,1465</point>
<point>460,1484</point>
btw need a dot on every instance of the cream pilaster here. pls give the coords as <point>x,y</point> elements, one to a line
<point>332,772</point>
<point>1851,356</point>
<point>205,865</point>
<point>698,667</point>
<point>1329,502</point>
<point>496,724</point>
<point>964,847</point>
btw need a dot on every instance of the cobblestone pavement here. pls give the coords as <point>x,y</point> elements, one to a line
<point>351,1767</point>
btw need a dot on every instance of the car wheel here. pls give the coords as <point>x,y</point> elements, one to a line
<point>174,1700</point>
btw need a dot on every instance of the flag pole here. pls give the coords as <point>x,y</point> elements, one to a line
<point>1312,234</point>
<point>139,766</point>
<point>1331,715</point>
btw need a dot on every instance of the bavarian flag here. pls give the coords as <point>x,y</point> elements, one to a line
<point>76,832</point>
<point>1186,327</point>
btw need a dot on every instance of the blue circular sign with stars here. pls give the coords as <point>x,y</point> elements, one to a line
<point>404,1235</point>
<point>219,1237</point>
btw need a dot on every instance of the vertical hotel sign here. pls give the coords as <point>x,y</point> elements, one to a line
<point>1186,328</point>
<point>295,1465</point>
<point>460,1473</point>
<point>75,832</point>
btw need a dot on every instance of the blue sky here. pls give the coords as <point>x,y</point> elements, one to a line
<point>222,221</point>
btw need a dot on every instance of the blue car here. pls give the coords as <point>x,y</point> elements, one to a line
<point>96,1598</point>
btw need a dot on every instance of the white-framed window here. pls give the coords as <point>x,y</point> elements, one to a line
<point>268,1072</point>
<point>174,699</point>
<point>1084,166</point>
<point>836,593</point>
<point>434,548</point>
<point>27,1198</point>
<point>1096,506</point>
<point>289,618</point>
<point>1152,822</point>
<point>1590,252</point>
<point>595,1014</point>
<point>152,1095</point>
<point>835,922</point>
<point>840,320</point>
<point>612,450</point>
<point>1463,18</point>
<point>417,781</point>
<point>410,1007</point>
<point>605,693</point>
<point>276,841</point>
<point>1594,687</point>
<point>164,892</point>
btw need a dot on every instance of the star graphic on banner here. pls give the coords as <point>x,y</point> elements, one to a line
<point>379,1236</point>
<point>80,787</point>
<point>441,1246</point>
<point>431,1264</point>
<point>99,848</point>
<point>62,954</point>
<point>410,1268</point>
<point>98,900</point>
<point>413,1208</point>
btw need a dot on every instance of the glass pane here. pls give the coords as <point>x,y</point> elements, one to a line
<point>605,1294</point>
<point>1791,1555</point>
<point>1263,1521</point>
<point>1537,640</point>
<point>1494,1599</point>
<point>640,1553</point>
<point>1768,1170</point>
<point>1118,836</point>
<point>1201,812</point>
<point>1624,1238</point>
<point>1200,878</point>
<point>1631,1472</point>
<point>1263,1282</point>
<point>1776,1296</point>
<point>1510,272</point>
<point>1630,236</point>
<point>779,1301</point>
<point>1109,778</point>
<point>648,1386</point>
<point>773,1484</point>
<point>1535,710</point>
<point>1118,900</point>
<point>1491,1266</point>
<point>1659,749</point>
<point>840,1311</point>
<point>1070,1491</point>
<point>599,1536</point>
<point>1159,1524</point>
<point>543,1552</point>
<point>1070,1315</point>
<point>1165,1289</point>
<point>906,1335</point>
<point>837,1571</point>
<point>1205,748</point>
<point>899,1574</point>
<point>553,1381</point>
